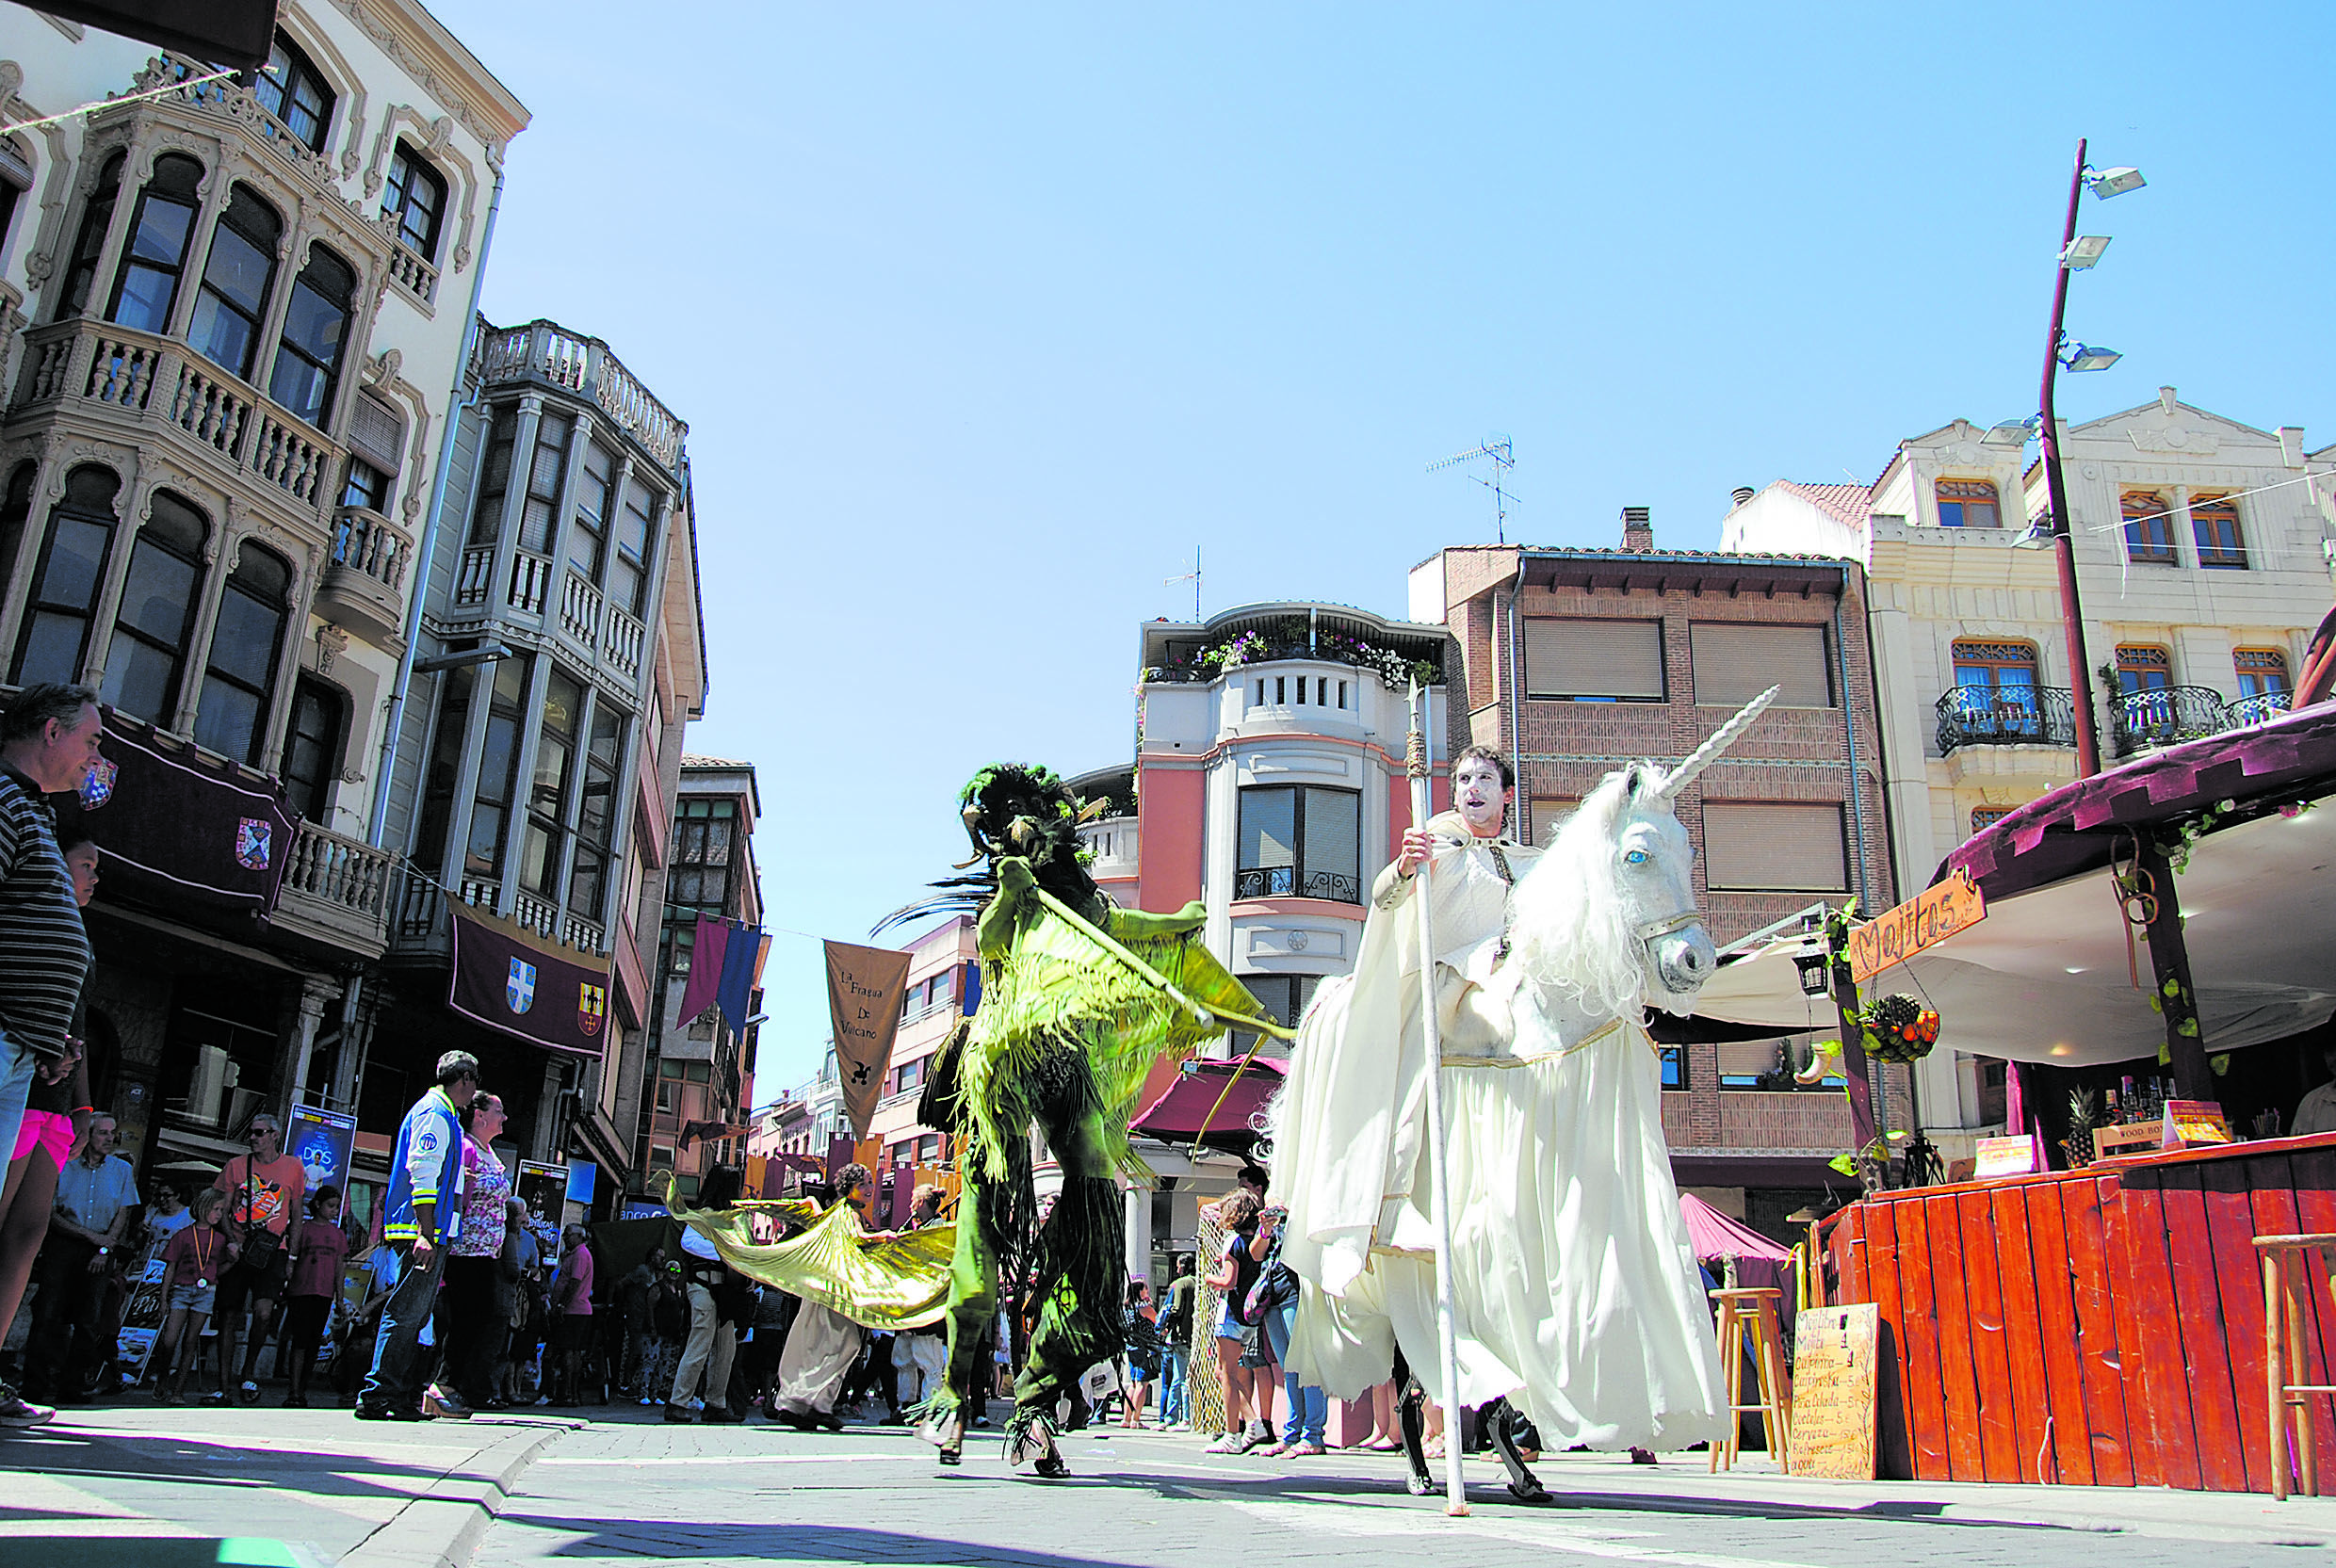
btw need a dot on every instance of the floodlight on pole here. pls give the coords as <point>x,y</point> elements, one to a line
<point>2053,525</point>
<point>2014,433</point>
<point>2083,251</point>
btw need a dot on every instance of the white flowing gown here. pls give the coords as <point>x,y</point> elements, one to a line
<point>1577,1292</point>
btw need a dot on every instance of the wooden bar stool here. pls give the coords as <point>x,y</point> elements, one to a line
<point>2287,1318</point>
<point>1749,1322</point>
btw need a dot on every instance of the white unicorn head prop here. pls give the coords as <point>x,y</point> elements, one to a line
<point>1608,916</point>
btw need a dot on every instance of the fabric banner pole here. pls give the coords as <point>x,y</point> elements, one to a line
<point>1439,1186</point>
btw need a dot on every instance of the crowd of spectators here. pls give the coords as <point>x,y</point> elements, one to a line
<point>456,1302</point>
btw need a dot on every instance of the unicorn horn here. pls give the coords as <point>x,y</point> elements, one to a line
<point>1708,752</point>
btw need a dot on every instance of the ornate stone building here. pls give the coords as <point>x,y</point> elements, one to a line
<point>2202,558</point>
<point>539,760</point>
<point>236,313</point>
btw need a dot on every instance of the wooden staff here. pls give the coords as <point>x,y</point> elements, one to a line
<point>1439,1185</point>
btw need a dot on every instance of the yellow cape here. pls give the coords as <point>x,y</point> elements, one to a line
<point>900,1283</point>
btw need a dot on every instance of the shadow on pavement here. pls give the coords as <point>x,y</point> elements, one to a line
<point>786,1543</point>
<point>66,1454</point>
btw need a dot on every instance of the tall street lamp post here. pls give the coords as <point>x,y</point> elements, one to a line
<point>2075,254</point>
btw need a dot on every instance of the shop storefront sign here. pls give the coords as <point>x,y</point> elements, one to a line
<point>1834,1365</point>
<point>1922,921</point>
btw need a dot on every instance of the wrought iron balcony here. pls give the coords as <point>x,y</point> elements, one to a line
<point>2257,710</point>
<point>2005,715</point>
<point>1288,881</point>
<point>2166,715</point>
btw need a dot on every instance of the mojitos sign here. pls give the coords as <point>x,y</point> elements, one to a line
<point>1922,921</point>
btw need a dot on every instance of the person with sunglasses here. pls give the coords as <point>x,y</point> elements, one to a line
<point>266,1189</point>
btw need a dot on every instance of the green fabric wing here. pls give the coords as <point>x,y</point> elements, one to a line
<point>1120,999</point>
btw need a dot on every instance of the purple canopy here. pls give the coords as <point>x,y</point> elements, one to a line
<point>2057,835</point>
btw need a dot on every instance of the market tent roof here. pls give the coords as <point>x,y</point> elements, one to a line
<point>1205,1103</point>
<point>2048,976</point>
<point>1714,1234</point>
<point>2072,829</point>
<point>1760,1262</point>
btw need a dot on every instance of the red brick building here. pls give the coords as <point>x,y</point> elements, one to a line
<point>1576,661</point>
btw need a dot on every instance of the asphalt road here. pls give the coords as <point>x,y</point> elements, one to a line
<point>873,1495</point>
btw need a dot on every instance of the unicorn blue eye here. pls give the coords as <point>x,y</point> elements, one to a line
<point>1636,857</point>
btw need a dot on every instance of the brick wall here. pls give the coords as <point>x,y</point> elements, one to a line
<point>1791,755</point>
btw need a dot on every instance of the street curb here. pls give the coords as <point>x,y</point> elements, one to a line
<point>441,1526</point>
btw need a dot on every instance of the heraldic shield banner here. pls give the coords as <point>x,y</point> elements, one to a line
<point>546,994</point>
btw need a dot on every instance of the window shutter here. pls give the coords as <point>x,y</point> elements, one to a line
<point>1548,815</point>
<point>1612,659</point>
<point>1736,663</point>
<point>1754,847</point>
<point>376,433</point>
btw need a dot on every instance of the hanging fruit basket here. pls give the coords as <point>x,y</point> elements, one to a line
<point>1899,1029</point>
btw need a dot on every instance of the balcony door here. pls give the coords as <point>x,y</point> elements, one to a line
<point>1996,691</point>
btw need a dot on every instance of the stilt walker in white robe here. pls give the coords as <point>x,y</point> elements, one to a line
<point>1576,1291</point>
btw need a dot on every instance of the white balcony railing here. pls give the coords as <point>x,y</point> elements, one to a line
<point>579,609</point>
<point>158,381</point>
<point>545,350</point>
<point>623,645</point>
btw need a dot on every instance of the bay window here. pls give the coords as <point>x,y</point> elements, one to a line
<point>316,330</point>
<point>240,681</point>
<point>147,658</point>
<point>236,282</point>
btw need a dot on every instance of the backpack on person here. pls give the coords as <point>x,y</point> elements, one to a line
<point>1276,1284</point>
<point>1243,1300</point>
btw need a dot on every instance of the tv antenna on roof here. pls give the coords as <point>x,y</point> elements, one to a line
<point>1495,447</point>
<point>1193,577</point>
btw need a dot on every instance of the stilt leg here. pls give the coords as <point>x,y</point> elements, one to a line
<point>1411,1419</point>
<point>1501,1423</point>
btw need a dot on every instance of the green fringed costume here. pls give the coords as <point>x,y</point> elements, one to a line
<point>1079,1000</point>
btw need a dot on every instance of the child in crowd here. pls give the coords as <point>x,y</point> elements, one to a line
<point>319,1248</point>
<point>669,1328</point>
<point>193,1259</point>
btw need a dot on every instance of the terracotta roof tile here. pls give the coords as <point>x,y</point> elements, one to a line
<point>1847,503</point>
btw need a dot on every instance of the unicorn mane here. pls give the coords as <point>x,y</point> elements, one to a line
<point>1572,933</point>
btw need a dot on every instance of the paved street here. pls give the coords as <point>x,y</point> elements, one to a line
<point>131,1485</point>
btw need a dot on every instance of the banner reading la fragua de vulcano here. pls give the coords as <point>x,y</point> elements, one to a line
<point>865,986</point>
<point>549,996</point>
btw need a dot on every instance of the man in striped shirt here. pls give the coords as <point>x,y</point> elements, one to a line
<point>48,743</point>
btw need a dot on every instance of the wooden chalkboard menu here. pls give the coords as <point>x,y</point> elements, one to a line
<point>1833,1389</point>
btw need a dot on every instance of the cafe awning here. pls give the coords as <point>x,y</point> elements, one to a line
<point>1208,1104</point>
<point>2046,976</point>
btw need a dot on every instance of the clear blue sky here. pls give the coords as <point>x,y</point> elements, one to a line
<point>982,317</point>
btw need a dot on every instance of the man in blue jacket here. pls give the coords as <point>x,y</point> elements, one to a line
<point>425,1206</point>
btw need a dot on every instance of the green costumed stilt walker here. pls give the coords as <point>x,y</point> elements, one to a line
<point>1079,1000</point>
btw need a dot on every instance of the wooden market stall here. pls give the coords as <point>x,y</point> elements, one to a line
<point>2105,1325</point>
<point>2101,1327</point>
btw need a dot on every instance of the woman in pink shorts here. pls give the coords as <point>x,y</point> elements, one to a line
<point>55,1110</point>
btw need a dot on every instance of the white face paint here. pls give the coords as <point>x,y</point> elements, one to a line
<point>1477,796</point>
